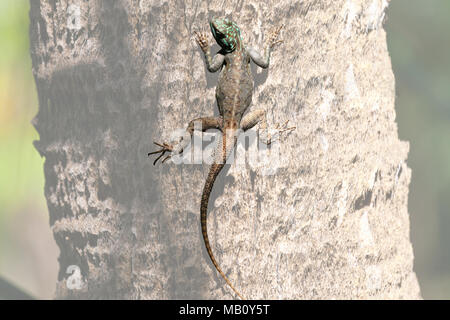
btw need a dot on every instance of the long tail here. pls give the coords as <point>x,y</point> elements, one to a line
<point>213,172</point>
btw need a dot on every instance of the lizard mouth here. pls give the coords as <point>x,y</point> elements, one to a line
<point>214,30</point>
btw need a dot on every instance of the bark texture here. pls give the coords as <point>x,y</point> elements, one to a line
<point>327,221</point>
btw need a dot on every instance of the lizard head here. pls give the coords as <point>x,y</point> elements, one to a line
<point>226,33</point>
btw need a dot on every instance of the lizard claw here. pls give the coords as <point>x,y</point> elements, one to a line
<point>164,148</point>
<point>279,130</point>
<point>274,35</point>
<point>284,127</point>
<point>202,40</point>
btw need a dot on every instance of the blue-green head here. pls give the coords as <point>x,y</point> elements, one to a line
<point>226,33</point>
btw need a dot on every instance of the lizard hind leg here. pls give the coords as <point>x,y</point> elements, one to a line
<point>202,124</point>
<point>259,116</point>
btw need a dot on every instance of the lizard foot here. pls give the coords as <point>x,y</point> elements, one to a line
<point>279,130</point>
<point>202,40</point>
<point>272,40</point>
<point>164,148</point>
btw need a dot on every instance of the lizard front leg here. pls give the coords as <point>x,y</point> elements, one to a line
<point>212,64</point>
<point>259,116</point>
<point>206,124</point>
<point>263,61</point>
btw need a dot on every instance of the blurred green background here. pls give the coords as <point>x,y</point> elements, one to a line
<point>27,250</point>
<point>419,45</point>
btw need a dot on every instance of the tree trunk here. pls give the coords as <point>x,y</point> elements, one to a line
<point>328,220</point>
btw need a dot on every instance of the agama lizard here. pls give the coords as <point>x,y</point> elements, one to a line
<point>233,95</point>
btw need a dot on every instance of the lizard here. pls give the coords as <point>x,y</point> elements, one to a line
<point>233,96</point>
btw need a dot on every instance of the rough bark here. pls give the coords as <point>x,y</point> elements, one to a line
<point>328,221</point>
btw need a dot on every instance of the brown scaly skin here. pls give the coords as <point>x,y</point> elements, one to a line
<point>234,95</point>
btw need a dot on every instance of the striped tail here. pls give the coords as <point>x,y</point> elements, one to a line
<point>213,172</point>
